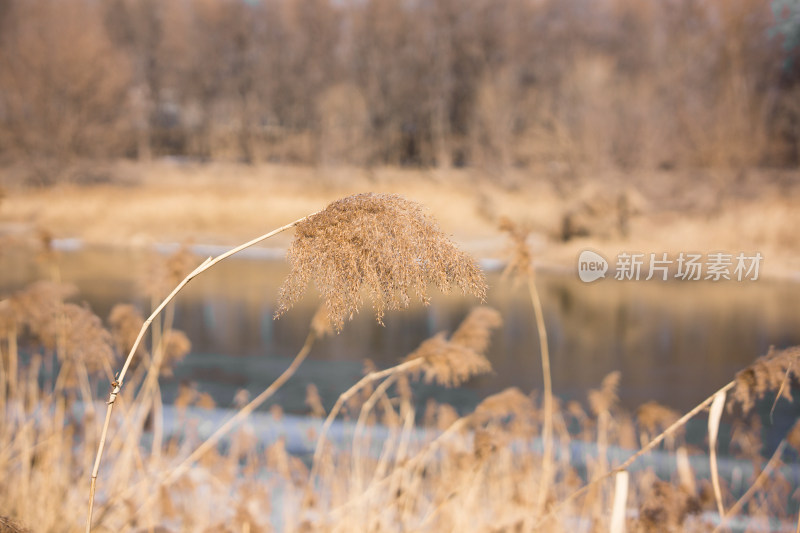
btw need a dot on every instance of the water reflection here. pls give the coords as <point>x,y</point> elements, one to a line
<point>673,342</point>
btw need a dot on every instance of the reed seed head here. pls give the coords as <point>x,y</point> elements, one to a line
<point>447,363</point>
<point>126,322</point>
<point>382,243</point>
<point>510,402</point>
<point>475,330</point>
<point>38,305</point>
<point>484,444</point>
<point>451,362</point>
<point>766,374</point>
<point>654,417</point>
<point>176,345</point>
<point>604,399</point>
<point>85,340</point>
<point>520,259</point>
<point>314,401</point>
<point>164,273</point>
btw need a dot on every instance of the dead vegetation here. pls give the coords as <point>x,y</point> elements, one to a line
<point>433,471</point>
<point>380,243</point>
<point>427,473</point>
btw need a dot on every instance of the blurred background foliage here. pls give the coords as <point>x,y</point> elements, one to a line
<point>559,84</point>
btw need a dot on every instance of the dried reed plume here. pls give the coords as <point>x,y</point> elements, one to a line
<point>379,242</point>
<point>162,275</point>
<point>452,362</point>
<point>85,339</point>
<point>510,402</point>
<point>766,374</point>
<point>38,307</point>
<point>604,399</point>
<point>125,322</point>
<point>520,262</point>
<point>653,417</point>
<point>175,345</point>
<point>475,330</point>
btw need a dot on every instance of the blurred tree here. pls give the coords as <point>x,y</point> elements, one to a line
<point>64,85</point>
<point>385,62</point>
<point>555,84</point>
<point>136,27</point>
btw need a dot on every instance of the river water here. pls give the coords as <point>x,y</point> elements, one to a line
<point>674,342</point>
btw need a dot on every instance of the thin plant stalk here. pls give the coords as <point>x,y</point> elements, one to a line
<point>547,431</point>
<point>388,448</point>
<point>116,386</point>
<point>408,415</point>
<point>380,392</point>
<point>369,378</point>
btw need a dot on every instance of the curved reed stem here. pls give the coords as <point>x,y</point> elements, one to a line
<point>116,386</point>
<point>369,378</point>
<point>379,392</point>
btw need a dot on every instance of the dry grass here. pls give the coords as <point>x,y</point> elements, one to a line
<point>417,254</point>
<point>480,471</point>
<point>480,461</point>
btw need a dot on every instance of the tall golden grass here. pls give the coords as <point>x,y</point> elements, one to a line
<point>511,464</point>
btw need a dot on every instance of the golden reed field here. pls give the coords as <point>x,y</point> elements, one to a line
<point>409,160</point>
<point>508,465</point>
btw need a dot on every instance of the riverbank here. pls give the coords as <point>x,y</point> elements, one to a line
<point>132,204</point>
